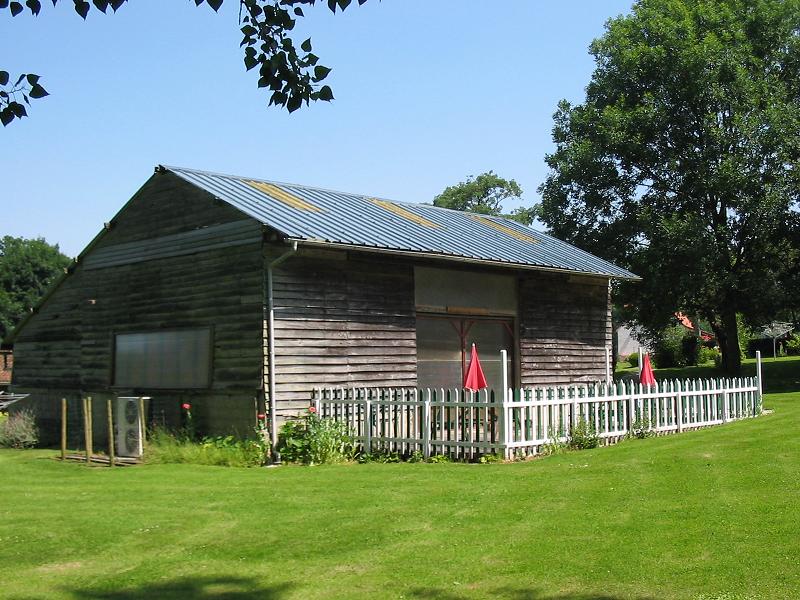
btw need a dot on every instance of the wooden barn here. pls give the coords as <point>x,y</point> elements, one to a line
<point>236,294</point>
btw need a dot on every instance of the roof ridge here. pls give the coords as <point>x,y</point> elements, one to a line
<point>359,195</point>
<point>275,182</point>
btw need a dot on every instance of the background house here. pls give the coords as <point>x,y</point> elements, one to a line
<point>172,300</point>
<point>6,366</point>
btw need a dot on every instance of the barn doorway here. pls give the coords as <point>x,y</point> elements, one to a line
<point>444,343</point>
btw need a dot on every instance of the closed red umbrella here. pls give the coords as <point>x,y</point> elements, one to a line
<point>475,379</point>
<point>646,377</point>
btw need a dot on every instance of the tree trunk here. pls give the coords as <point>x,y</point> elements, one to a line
<point>728,337</point>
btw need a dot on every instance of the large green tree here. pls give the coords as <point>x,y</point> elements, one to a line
<point>290,73</point>
<point>682,161</point>
<point>27,268</point>
<point>485,194</point>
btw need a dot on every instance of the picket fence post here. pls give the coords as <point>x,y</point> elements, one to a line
<point>725,415</point>
<point>679,407</point>
<point>367,424</point>
<point>760,390</point>
<point>426,423</point>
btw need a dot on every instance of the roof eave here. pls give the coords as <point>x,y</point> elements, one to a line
<point>456,258</point>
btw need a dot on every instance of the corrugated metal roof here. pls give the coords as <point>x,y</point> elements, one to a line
<point>360,221</point>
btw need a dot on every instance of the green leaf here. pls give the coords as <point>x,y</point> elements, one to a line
<point>32,79</point>
<point>38,91</point>
<point>34,5</point>
<point>325,93</point>
<point>6,116</point>
<point>250,61</point>
<point>306,46</point>
<point>215,4</point>
<point>294,103</point>
<point>16,8</point>
<point>82,8</point>
<point>18,110</point>
<point>320,72</point>
<point>3,77</point>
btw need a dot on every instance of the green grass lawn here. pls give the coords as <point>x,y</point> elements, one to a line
<point>705,514</point>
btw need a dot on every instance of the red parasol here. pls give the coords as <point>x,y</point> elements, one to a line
<point>475,379</point>
<point>646,377</point>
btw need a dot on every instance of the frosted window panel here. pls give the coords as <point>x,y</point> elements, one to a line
<point>174,359</point>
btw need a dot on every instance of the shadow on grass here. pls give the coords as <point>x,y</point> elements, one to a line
<point>210,588</point>
<point>514,594</point>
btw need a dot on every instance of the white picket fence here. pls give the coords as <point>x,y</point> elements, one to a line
<point>463,424</point>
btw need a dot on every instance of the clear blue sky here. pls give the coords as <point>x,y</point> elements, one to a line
<point>427,93</point>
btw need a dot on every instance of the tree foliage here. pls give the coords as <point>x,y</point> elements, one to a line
<point>485,194</point>
<point>27,268</point>
<point>291,74</point>
<point>681,163</point>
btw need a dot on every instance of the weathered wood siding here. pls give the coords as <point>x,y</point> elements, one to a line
<point>564,327</point>
<point>341,320</point>
<point>207,272</point>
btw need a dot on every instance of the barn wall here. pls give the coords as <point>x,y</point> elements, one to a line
<point>341,320</point>
<point>564,327</point>
<point>192,277</point>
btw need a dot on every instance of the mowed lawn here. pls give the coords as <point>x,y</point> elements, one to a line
<point>706,514</point>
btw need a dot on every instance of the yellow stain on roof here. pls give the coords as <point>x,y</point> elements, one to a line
<point>504,229</point>
<point>277,193</point>
<point>402,212</point>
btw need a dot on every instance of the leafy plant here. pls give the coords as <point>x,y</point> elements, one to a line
<point>583,436</point>
<point>707,355</point>
<point>793,345</point>
<point>416,457</point>
<point>313,440</point>
<point>440,458</point>
<point>669,347</point>
<point>18,430</point>
<point>488,459</point>
<point>187,422</point>
<point>383,457</point>
<point>633,359</point>
<point>165,446</point>
<point>641,428</point>
<point>554,445</point>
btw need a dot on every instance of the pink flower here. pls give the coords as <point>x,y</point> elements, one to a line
<point>312,409</point>
<point>261,417</point>
<point>186,406</point>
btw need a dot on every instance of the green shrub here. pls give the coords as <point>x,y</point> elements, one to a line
<point>416,457</point>
<point>633,359</point>
<point>583,436</point>
<point>553,446</point>
<point>745,335</point>
<point>164,446</point>
<point>690,348</point>
<point>439,458</point>
<point>707,355</point>
<point>488,459</point>
<point>386,457</point>
<point>668,351</point>
<point>641,428</point>
<point>313,440</point>
<point>18,430</point>
<point>793,345</point>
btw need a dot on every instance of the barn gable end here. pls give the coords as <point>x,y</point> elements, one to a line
<point>67,347</point>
